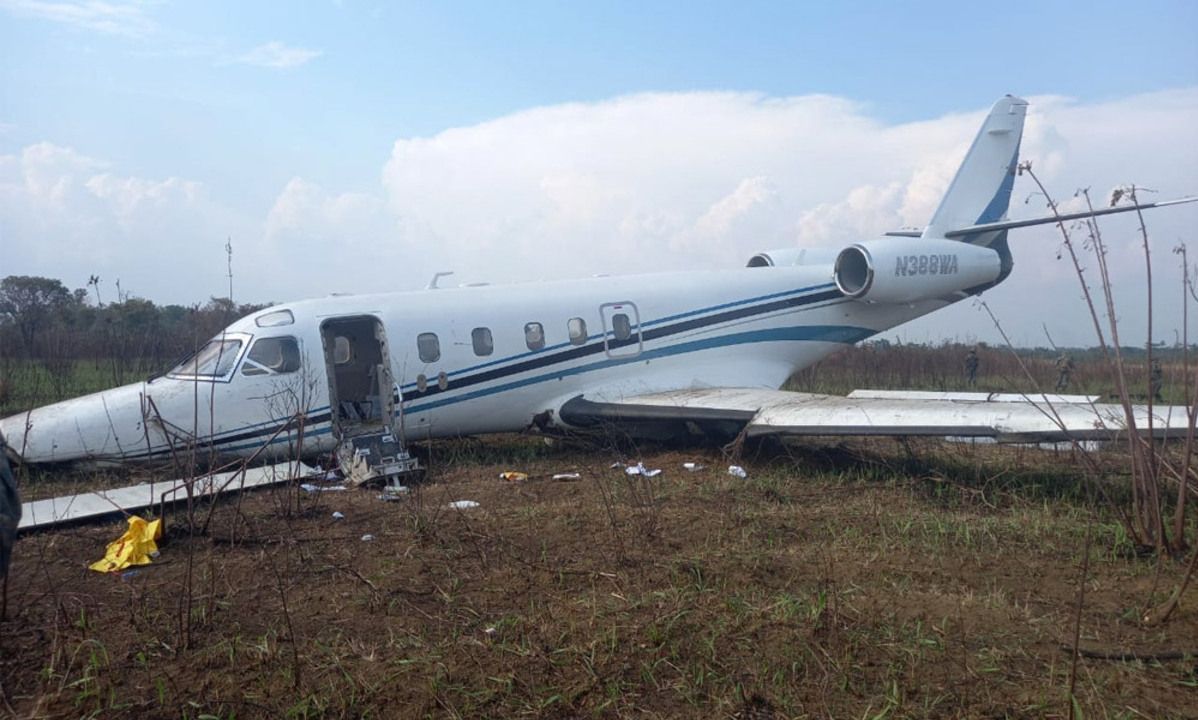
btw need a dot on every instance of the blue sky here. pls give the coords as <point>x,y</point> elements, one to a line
<point>233,103</point>
<point>166,95</point>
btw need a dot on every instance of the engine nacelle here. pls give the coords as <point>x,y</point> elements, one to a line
<point>793,256</point>
<point>911,269</point>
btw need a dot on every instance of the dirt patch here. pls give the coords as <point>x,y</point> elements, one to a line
<point>805,589</point>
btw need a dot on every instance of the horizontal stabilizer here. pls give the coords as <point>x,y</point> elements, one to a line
<point>1066,217</point>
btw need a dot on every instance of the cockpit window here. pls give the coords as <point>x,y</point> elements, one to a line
<point>214,360</point>
<point>272,356</point>
<point>277,318</point>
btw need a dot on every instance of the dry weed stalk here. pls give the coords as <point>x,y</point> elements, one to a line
<point>1150,460</point>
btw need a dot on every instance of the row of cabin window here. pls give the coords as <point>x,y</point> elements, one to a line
<point>429,346</point>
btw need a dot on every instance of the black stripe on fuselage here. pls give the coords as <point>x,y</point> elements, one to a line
<point>598,347</point>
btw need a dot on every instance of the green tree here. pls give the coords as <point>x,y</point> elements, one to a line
<point>31,302</point>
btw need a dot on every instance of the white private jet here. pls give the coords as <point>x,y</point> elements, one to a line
<point>676,350</point>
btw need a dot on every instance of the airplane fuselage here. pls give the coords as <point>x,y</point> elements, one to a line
<point>469,360</point>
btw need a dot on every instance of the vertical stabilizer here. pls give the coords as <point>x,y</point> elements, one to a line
<point>981,190</point>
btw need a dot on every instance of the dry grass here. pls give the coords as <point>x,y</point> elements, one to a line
<point>836,581</point>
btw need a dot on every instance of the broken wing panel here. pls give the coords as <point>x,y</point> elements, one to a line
<point>1006,418</point>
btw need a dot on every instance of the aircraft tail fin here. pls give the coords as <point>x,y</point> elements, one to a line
<point>981,191</point>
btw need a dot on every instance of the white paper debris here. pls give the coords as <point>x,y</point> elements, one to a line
<point>463,504</point>
<point>338,515</point>
<point>693,467</point>
<point>567,476</point>
<point>309,487</point>
<point>737,471</point>
<point>640,469</point>
<point>367,537</point>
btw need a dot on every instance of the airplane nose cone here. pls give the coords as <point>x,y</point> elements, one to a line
<point>101,426</point>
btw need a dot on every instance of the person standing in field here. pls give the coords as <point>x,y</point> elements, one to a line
<point>1156,379</point>
<point>971,367</point>
<point>10,516</point>
<point>1064,370</point>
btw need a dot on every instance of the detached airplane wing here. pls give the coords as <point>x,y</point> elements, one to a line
<point>1003,417</point>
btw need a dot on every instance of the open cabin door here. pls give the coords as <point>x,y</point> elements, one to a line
<point>363,399</point>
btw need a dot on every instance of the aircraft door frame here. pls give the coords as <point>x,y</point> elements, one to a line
<point>361,387</point>
<point>633,344</point>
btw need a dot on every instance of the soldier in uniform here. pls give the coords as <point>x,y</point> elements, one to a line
<point>1064,370</point>
<point>1156,379</point>
<point>971,367</point>
<point>10,515</point>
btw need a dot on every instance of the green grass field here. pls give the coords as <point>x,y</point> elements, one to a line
<point>26,384</point>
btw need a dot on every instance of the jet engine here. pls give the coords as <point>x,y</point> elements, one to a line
<point>911,269</point>
<point>793,256</point>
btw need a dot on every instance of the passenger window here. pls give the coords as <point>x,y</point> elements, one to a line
<point>340,350</point>
<point>429,347</point>
<point>534,336</point>
<point>272,356</point>
<point>621,326</point>
<point>483,343</point>
<point>577,327</point>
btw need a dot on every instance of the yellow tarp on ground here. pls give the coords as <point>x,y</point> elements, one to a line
<point>133,548</point>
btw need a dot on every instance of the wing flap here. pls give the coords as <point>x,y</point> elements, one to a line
<point>1005,418</point>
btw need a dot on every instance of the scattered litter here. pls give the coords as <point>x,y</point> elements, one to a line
<point>513,476</point>
<point>309,487</point>
<point>737,471</point>
<point>693,467</point>
<point>568,476</point>
<point>489,631</point>
<point>367,537</point>
<point>338,515</point>
<point>617,464</point>
<point>640,469</point>
<point>463,504</point>
<point>130,574</point>
<point>135,547</point>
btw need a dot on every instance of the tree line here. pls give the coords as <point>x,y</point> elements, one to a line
<point>43,320</point>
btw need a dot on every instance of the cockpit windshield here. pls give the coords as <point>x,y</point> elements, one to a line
<point>214,360</point>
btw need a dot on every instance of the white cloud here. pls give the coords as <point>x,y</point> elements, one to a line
<point>634,184</point>
<point>112,18</point>
<point>70,216</point>
<point>306,221</point>
<point>690,180</point>
<point>275,54</point>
